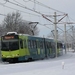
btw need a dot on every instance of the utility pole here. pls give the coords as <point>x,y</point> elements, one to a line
<point>73,38</point>
<point>55,25</point>
<point>65,39</point>
<point>55,31</point>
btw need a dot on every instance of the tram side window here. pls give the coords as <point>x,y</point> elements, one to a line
<point>37,46</point>
<point>29,43</point>
<point>21,43</point>
<point>34,44</point>
<point>53,45</point>
<point>41,44</point>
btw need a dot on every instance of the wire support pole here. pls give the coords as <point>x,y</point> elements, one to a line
<point>73,38</point>
<point>65,39</point>
<point>55,31</point>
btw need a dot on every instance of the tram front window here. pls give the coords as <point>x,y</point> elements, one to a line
<point>14,45</point>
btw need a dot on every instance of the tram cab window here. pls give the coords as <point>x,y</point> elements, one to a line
<point>25,44</point>
<point>21,43</point>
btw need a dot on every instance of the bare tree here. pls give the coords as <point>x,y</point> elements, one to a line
<point>1,30</point>
<point>14,22</point>
<point>11,22</point>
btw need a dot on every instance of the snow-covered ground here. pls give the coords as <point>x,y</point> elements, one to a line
<point>42,67</point>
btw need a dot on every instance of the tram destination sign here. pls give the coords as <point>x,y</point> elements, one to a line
<point>9,37</point>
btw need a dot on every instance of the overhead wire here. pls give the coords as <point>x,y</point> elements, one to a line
<point>46,6</point>
<point>34,5</point>
<point>26,0</point>
<point>50,24</point>
<point>23,6</point>
<point>71,18</point>
<point>2,14</point>
<point>18,2</point>
<point>50,28</point>
<point>44,25</point>
<point>19,10</point>
<point>5,2</point>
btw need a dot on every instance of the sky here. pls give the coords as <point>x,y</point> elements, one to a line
<point>42,67</point>
<point>66,6</point>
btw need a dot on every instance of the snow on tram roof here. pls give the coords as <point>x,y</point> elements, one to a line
<point>11,32</point>
<point>25,34</point>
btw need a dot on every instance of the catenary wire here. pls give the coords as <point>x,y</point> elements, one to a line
<point>46,6</point>
<point>19,10</point>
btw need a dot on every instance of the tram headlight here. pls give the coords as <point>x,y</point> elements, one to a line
<point>17,54</point>
<point>13,55</point>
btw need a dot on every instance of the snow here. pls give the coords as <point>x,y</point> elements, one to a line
<point>42,67</point>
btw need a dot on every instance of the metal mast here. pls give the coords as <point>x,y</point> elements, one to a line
<point>55,25</point>
<point>65,39</point>
<point>55,31</point>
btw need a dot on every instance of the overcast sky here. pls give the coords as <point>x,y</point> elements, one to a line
<point>66,6</point>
